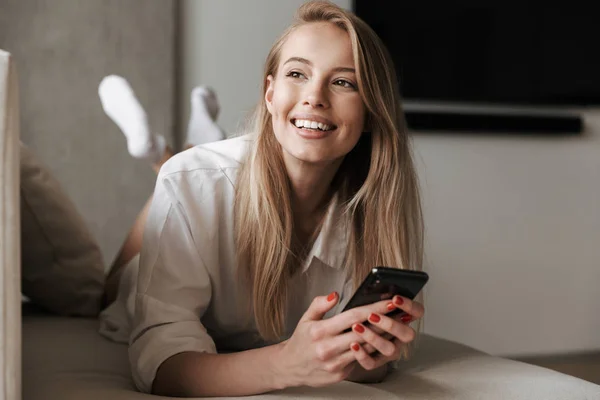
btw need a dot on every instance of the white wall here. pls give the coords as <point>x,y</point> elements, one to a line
<point>513,223</point>
<point>225,44</point>
<point>513,232</point>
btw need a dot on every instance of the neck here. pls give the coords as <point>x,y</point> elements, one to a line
<point>310,184</point>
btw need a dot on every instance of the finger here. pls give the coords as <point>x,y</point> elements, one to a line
<point>338,344</point>
<point>333,346</point>
<point>389,307</point>
<point>411,307</point>
<point>345,358</point>
<point>384,346</point>
<point>320,306</point>
<point>370,349</point>
<point>347,319</point>
<point>348,370</point>
<point>365,360</point>
<point>342,366</point>
<point>397,329</point>
<point>405,319</point>
<point>378,330</point>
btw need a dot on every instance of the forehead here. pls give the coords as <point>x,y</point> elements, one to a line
<point>320,42</point>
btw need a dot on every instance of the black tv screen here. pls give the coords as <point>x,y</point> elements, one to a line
<point>501,52</point>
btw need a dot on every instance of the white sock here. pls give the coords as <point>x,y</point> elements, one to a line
<point>202,127</point>
<point>121,105</point>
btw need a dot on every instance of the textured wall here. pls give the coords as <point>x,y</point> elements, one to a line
<point>63,48</point>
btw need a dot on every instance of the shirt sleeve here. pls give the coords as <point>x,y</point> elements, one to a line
<point>173,290</point>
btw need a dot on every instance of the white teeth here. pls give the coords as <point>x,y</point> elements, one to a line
<point>302,123</point>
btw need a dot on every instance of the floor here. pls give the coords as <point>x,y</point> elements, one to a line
<point>585,366</point>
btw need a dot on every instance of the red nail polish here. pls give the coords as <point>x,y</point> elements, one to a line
<point>374,318</point>
<point>331,296</point>
<point>406,318</point>
<point>359,328</point>
<point>391,307</point>
<point>355,347</point>
<point>398,300</point>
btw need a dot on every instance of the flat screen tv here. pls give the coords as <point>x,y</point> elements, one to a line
<point>491,52</point>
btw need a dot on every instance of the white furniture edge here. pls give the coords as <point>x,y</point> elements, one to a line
<point>10,237</point>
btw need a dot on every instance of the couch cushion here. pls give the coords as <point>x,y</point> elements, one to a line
<point>62,267</point>
<point>65,358</point>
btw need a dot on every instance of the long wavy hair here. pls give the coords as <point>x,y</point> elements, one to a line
<point>376,183</point>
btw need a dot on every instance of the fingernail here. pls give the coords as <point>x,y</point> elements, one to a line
<point>359,328</point>
<point>355,347</point>
<point>331,296</point>
<point>374,318</point>
<point>406,318</point>
<point>391,307</point>
<point>398,300</point>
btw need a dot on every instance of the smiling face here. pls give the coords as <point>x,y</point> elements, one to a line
<point>317,112</point>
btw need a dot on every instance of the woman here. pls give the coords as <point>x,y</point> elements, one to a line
<point>244,236</point>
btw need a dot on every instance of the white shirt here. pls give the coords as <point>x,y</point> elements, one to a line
<point>187,295</point>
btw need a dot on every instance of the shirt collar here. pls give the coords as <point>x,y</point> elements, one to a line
<point>330,245</point>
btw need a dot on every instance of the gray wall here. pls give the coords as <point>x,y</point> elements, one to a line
<point>63,48</point>
<point>224,45</point>
<point>513,223</point>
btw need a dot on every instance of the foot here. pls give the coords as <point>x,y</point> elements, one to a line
<point>202,127</point>
<point>121,105</point>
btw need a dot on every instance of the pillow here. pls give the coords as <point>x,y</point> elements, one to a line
<point>62,268</point>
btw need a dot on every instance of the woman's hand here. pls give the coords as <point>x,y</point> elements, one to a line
<point>318,353</point>
<point>387,335</point>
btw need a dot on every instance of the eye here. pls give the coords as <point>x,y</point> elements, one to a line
<point>344,83</point>
<point>295,74</point>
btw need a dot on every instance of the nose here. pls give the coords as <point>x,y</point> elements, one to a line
<point>316,95</point>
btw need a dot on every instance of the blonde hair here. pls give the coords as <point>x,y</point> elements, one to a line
<point>376,183</point>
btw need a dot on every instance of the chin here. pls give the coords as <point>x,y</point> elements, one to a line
<point>311,151</point>
<point>309,155</point>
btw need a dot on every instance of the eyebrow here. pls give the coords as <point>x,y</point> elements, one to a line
<point>310,64</point>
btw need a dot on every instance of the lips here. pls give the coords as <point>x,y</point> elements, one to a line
<point>313,123</point>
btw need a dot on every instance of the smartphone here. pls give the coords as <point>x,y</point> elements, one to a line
<point>383,283</point>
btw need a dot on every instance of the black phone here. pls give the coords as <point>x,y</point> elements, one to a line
<point>383,283</point>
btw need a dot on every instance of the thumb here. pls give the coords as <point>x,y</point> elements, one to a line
<point>320,306</point>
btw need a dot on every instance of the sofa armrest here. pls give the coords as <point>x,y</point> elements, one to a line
<point>10,234</point>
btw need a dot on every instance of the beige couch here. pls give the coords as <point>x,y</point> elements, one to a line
<point>66,358</point>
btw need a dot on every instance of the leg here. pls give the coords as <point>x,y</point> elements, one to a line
<point>122,106</point>
<point>133,242</point>
<point>132,245</point>
<point>202,127</point>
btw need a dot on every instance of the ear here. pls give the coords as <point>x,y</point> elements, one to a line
<point>269,93</point>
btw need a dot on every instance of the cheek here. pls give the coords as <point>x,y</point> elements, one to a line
<point>281,101</point>
<point>355,117</point>
<point>360,121</point>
